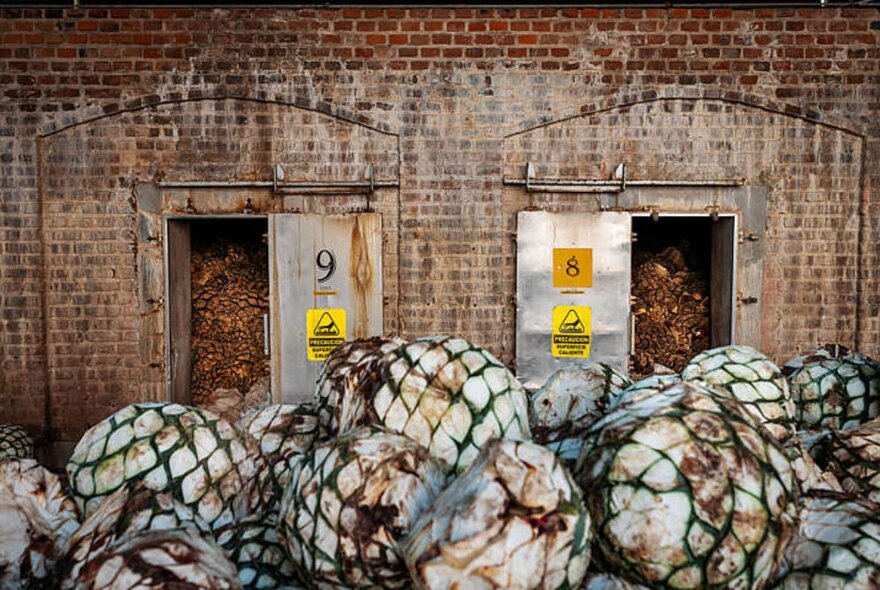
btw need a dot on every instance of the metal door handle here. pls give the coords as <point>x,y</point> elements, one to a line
<point>266,348</point>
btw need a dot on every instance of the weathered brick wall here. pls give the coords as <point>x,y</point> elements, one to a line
<point>94,101</point>
<point>812,172</point>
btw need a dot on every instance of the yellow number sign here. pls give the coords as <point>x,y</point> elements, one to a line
<point>572,268</point>
<point>326,331</point>
<point>571,331</point>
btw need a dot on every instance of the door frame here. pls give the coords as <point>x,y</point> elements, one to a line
<point>733,262</point>
<point>173,370</point>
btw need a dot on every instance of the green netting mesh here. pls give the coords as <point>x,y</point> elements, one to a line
<point>194,455</point>
<point>753,379</point>
<point>687,491</point>
<point>514,519</point>
<point>350,501</point>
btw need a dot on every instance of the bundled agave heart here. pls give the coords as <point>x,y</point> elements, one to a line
<point>446,393</point>
<point>854,457</point>
<point>645,387</point>
<point>350,501</point>
<point>836,546</point>
<point>255,548</point>
<point>130,510</point>
<point>753,379</point>
<point>687,490</point>
<point>37,519</point>
<point>15,442</point>
<point>349,378</point>
<point>195,455</point>
<point>281,434</point>
<point>159,560</point>
<point>834,388</point>
<point>514,520</point>
<point>569,402</point>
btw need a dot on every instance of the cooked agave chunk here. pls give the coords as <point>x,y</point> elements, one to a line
<point>687,490</point>
<point>514,520</point>
<point>350,501</point>
<point>193,454</point>
<point>753,379</point>
<point>37,519</point>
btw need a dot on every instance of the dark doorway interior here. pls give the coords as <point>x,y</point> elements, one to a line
<point>219,296</point>
<point>682,282</point>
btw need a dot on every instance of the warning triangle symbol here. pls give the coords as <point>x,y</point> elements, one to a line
<point>326,326</point>
<point>571,324</point>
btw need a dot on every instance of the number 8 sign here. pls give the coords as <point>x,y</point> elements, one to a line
<point>572,268</point>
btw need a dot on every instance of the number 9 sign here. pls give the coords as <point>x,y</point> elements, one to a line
<point>326,263</point>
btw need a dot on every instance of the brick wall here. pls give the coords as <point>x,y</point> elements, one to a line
<point>94,101</point>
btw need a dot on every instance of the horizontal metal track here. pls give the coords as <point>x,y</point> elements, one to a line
<point>281,187</point>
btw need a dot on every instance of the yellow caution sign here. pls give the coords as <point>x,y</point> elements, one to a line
<point>326,331</point>
<point>571,331</point>
<point>572,268</point>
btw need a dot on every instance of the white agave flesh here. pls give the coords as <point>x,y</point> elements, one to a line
<point>514,519</point>
<point>349,502</point>
<point>169,447</point>
<point>752,379</point>
<point>37,519</point>
<point>156,560</point>
<point>130,510</point>
<point>687,490</point>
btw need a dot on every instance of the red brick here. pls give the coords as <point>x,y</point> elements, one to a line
<point>83,63</point>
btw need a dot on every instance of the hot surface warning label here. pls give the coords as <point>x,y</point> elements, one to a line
<point>326,331</point>
<point>571,331</point>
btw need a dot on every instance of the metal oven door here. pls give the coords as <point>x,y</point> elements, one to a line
<point>326,287</point>
<point>573,291</point>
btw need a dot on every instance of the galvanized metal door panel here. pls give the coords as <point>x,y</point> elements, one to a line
<point>355,286</point>
<point>608,234</point>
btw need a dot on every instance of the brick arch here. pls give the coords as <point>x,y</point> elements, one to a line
<point>624,101</point>
<point>814,170</point>
<point>90,115</point>
<point>100,326</point>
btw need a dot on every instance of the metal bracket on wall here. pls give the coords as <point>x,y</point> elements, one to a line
<point>617,184</point>
<point>299,188</point>
<point>331,187</point>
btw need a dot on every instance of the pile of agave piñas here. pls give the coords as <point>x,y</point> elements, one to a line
<point>426,464</point>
